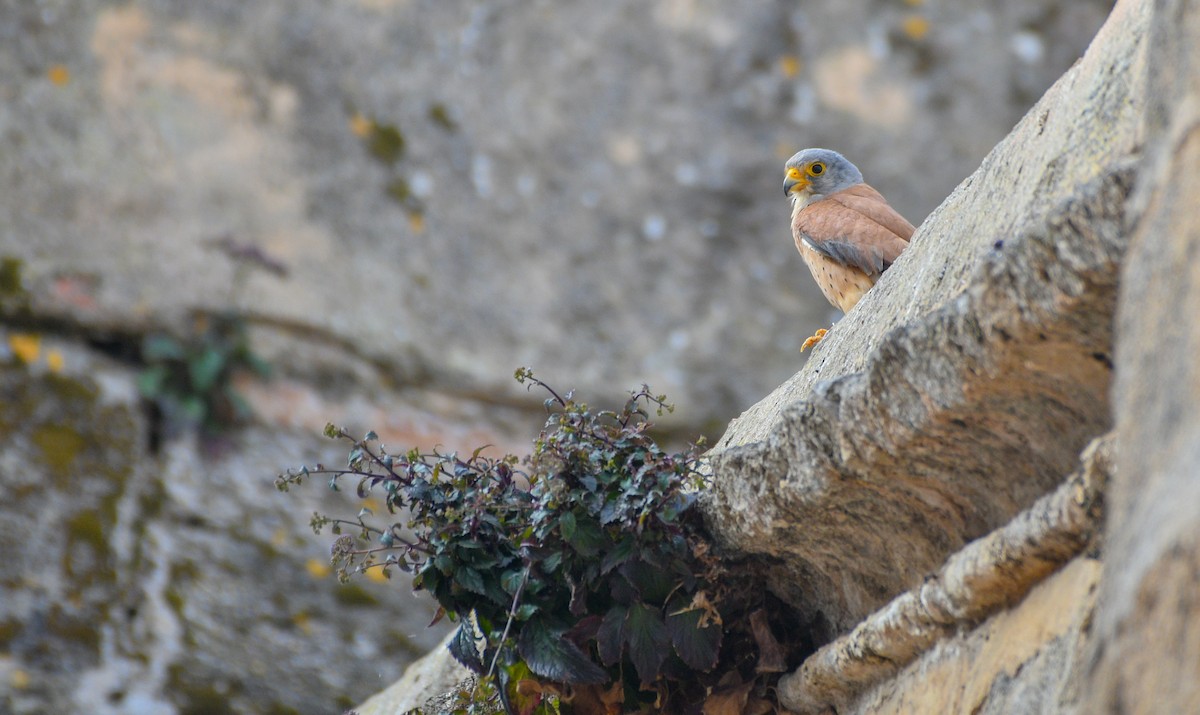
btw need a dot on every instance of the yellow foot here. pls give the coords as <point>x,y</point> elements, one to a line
<point>813,339</point>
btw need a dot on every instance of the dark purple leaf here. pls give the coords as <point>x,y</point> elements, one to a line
<point>652,582</point>
<point>610,637</point>
<point>649,642</point>
<point>696,646</point>
<point>555,658</point>
<point>587,538</point>
<point>618,554</point>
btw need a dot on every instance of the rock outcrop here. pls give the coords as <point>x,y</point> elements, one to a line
<point>1144,649</point>
<point>916,489</point>
<point>964,387</point>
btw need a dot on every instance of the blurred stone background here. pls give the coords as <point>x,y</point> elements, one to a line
<point>455,189</point>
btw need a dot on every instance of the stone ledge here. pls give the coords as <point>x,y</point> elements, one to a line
<point>959,421</point>
<point>989,574</point>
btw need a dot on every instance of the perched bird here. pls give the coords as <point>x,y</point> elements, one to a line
<point>845,230</point>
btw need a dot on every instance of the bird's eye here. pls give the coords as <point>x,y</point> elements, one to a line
<point>816,169</point>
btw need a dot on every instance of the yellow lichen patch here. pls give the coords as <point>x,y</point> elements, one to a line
<point>279,537</point>
<point>317,568</point>
<point>373,504</point>
<point>59,75</point>
<point>416,221</point>
<point>361,126</point>
<point>59,446</point>
<point>915,26</point>
<point>376,575</point>
<point>19,679</point>
<point>25,346</point>
<point>789,65</point>
<point>54,361</point>
<point>304,622</point>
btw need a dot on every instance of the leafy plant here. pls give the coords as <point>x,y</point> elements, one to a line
<point>191,380</point>
<point>579,576</point>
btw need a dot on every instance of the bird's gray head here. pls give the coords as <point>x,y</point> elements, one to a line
<point>813,174</point>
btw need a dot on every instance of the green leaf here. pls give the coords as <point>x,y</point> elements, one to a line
<point>555,658</point>
<point>150,381</point>
<point>510,581</point>
<point>256,364</point>
<point>696,646</point>
<point>567,525</point>
<point>462,647</point>
<point>587,538</point>
<point>194,409</point>
<point>649,642</point>
<point>158,348</point>
<point>205,368</point>
<point>469,579</point>
<point>551,563</point>
<point>443,563</point>
<point>619,554</point>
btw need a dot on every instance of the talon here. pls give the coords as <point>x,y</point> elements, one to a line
<point>813,339</point>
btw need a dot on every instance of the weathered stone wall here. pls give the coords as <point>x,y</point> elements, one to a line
<point>136,581</point>
<point>1023,660</point>
<point>1145,652</point>
<point>588,189</point>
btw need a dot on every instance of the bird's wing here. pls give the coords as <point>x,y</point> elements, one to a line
<point>855,227</point>
<point>870,203</point>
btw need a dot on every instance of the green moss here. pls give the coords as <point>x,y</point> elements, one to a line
<point>174,600</point>
<point>266,550</point>
<point>9,630</point>
<point>86,527</point>
<point>59,446</point>
<point>386,143</point>
<point>399,190</point>
<point>184,571</point>
<point>86,530</point>
<point>204,700</point>
<point>69,388</point>
<point>152,499</point>
<point>440,116</point>
<point>281,709</point>
<point>398,641</point>
<point>351,594</point>
<point>79,631</point>
<point>196,699</point>
<point>10,277</point>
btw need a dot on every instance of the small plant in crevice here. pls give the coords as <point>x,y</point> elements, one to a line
<point>580,577</point>
<point>190,380</point>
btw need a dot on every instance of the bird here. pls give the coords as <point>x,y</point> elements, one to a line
<point>845,231</point>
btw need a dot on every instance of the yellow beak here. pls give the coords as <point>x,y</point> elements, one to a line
<point>790,184</point>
